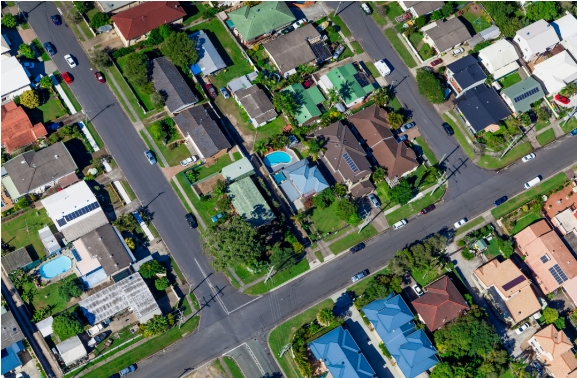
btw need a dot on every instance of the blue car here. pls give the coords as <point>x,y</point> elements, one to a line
<point>216,217</point>
<point>56,19</point>
<point>49,48</point>
<point>500,201</point>
<point>573,132</point>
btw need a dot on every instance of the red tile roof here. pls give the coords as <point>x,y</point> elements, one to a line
<point>141,19</point>
<point>441,303</point>
<point>17,130</point>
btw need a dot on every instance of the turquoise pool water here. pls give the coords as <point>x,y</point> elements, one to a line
<point>55,267</point>
<point>277,157</point>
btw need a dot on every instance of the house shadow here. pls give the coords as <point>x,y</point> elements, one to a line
<point>468,25</point>
<point>373,356</point>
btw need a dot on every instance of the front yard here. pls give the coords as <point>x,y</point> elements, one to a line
<point>50,110</point>
<point>569,125</point>
<point>279,278</point>
<point>356,237</point>
<point>199,172</point>
<point>23,230</point>
<point>546,137</point>
<point>326,220</point>
<point>173,155</point>
<point>395,40</point>
<point>204,208</point>
<point>513,155</point>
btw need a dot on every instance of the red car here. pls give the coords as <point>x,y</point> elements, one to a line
<point>100,77</point>
<point>436,62</point>
<point>309,83</point>
<point>562,99</point>
<point>428,209</point>
<point>66,77</point>
<point>211,91</point>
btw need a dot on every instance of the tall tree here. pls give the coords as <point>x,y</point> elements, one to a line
<point>180,49</point>
<point>395,120</point>
<point>325,317</point>
<point>430,86</point>
<point>99,59</point>
<point>381,96</point>
<point>99,19</point>
<point>155,326</point>
<point>285,102</point>
<point>546,10</point>
<point>345,209</point>
<point>65,326</point>
<point>550,315</point>
<point>150,268</point>
<point>46,82</point>
<point>402,192</point>
<point>282,258</point>
<point>136,69</point>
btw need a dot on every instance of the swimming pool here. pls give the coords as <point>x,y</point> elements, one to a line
<point>276,158</point>
<point>55,267</point>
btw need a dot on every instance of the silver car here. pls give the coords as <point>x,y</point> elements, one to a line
<point>150,156</point>
<point>70,60</point>
<point>374,200</point>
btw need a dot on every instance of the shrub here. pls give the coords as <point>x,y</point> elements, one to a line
<point>99,19</point>
<point>65,326</point>
<point>70,289</point>
<point>461,243</point>
<point>9,21</point>
<point>123,51</point>
<point>26,51</point>
<point>151,268</point>
<point>467,255</point>
<point>30,99</point>
<point>161,283</point>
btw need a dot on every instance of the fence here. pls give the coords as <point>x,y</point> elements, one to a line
<point>89,137</point>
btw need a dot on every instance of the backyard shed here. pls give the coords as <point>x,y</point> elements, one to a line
<point>45,326</point>
<point>238,170</point>
<point>71,350</point>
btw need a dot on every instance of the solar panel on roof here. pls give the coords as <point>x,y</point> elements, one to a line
<point>61,222</point>
<point>558,274</point>
<point>511,284</point>
<point>526,94</point>
<point>77,213</point>
<point>350,162</point>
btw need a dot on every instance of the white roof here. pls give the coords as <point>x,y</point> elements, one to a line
<point>48,239</point>
<point>498,55</point>
<point>539,36</point>
<point>13,76</point>
<point>556,72</point>
<point>565,27</point>
<point>45,326</point>
<point>5,47</point>
<point>71,350</point>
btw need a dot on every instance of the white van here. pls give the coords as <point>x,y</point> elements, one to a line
<point>533,182</point>
<point>399,224</point>
<point>382,67</point>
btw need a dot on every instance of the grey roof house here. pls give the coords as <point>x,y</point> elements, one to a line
<point>421,8</point>
<point>300,181</point>
<point>464,74</point>
<point>443,36</point>
<point>199,125</point>
<point>520,96</point>
<point>36,171</point>
<point>209,60</point>
<point>482,108</point>
<point>12,337</point>
<point>167,79</point>
<point>257,105</point>
<point>238,170</point>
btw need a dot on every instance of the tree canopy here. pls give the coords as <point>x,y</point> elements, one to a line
<point>70,288</point>
<point>285,102</point>
<point>282,258</point>
<point>402,192</point>
<point>430,86</point>
<point>65,326</point>
<point>30,99</point>
<point>546,10</point>
<point>9,21</point>
<point>136,69</point>
<point>180,49</point>
<point>150,268</point>
<point>99,19</point>
<point>26,51</point>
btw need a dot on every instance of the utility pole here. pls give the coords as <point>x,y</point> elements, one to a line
<point>337,11</point>
<point>269,273</point>
<point>285,349</point>
<point>441,182</point>
<point>514,142</point>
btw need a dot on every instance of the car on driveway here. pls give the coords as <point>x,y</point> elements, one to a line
<point>428,209</point>
<point>529,157</point>
<point>225,93</point>
<point>308,83</point>
<point>448,129</point>
<point>100,77</point>
<point>70,60</point>
<point>66,77</point>
<point>338,51</point>
<point>190,220</point>
<point>399,224</point>
<point>56,19</point>
<point>211,91</point>
<point>460,50</point>
<point>417,289</point>
<point>150,156</point>
<point>436,62</point>
<point>374,200</point>
<point>49,48</point>
<point>299,23</point>
<point>500,201</point>
<point>407,127</point>
<point>461,223</point>
<point>521,329</point>
<point>357,248</point>
<point>360,275</point>
<point>186,162</point>
<point>216,217</point>
<point>562,99</point>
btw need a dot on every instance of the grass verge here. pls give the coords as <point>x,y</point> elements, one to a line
<point>340,23</point>
<point>515,154</point>
<point>372,69</point>
<point>94,134</point>
<point>414,207</point>
<point>279,278</point>
<point>469,225</point>
<point>319,256</point>
<point>427,151</point>
<point>357,47</point>
<point>232,367</point>
<point>352,239</point>
<point>546,137</point>
<point>123,86</point>
<point>128,190</point>
<point>392,36</point>
<point>151,147</point>
<point>461,138</point>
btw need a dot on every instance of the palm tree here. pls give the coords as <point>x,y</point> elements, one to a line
<point>518,368</point>
<point>260,147</point>
<point>381,96</point>
<point>28,295</point>
<point>333,97</point>
<point>125,222</point>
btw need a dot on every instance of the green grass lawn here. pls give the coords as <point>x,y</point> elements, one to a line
<point>46,112</point>
<point>279,278</point>
<point>426,51</point>
<point>360,287</point>
<point>395,40</point>
<point>246,276</point>
<point>423,278</point>
<point>274,127</point>
<point>415,39</point>
<point>357,46</point>
<point>193,13</point>
<point>235,115</point>
<point>283,334</point>
<point>180,196</point>
<point>348,241</point>
<point>569,125</point>
<point>23,230</point>
<point>379,19</point>
<point>143,97</point>
<point>395,104</point>
<point>128,189</point>
<point>414,207</point>
<point>373,70</point>
<point>524,222</point>
<point>546,137</point>
<point>540,125</point>
<point>477,22</point>
<point>528,195</point>
<point>173,156</point>
<point>492,249</point>
<point>461,138</point>
<point>176,269</point>
<point>233,367</point>
<point>319,256</point>
<point>513,155</point>
<point>393,10</point>
<point>469,225</point>
<point>130,96</point>
<point>205,209</point>
<point>427,151</point>
<point>207,170</point>
<point>326,220</point>
<point>340,23</point>
<point>511,79</point>
<point>86,29</point>
<point>49,296</point>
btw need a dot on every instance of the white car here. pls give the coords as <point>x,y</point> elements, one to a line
<point>521,329</point>
<point>365,7</point>
<point>400,224</point>
<point>70,60</point>
<point>461,223</point>
<point>417,289</point>
<point>188,161</point>
<point>460,50</point>
<point>299,23</point>
<point>529,157</point>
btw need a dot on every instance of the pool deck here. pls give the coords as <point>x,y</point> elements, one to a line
<point>278,167</point>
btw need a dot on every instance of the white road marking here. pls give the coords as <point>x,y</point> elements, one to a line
<point>212,288</point>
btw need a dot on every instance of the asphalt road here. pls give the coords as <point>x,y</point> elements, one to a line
<point>476,190</point>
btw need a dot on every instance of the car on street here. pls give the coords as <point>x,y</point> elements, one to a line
<point>190,220</point>
<point>532,182</point>
<point>500,201</point>
<point>127,370</point>
<point>225,93</point>
<point>562,99</point>
<point>211,91</point>
<point>461,223</point>
<point>99,77</point>
<point>428,209</point>
<point>417,289</point>
<point>49,48</point>
<point>407,127</point>
<point>529,157</point>
<point>360,275</point>
<point>521,329</point>
<point>70,60</point>
<point>186,162</point>
<point>573,132</point>
<point>66,77</point>
<point>216,217</point>
<point>56,19</point>
<point>460,50</point>
<point>150,156</point>
<point>357,248</point>
<point>299,23</point>
<point>436,62</point>
<point>338,51</point>
<point>448,129</point>
<point>399,224</point>
<point>365,7</point>
<point>374,200</point>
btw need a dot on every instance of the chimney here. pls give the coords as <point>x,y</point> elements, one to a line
<point>56,156</point>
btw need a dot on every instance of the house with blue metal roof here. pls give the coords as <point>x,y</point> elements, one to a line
<point>394,323</point>
<point>12,337</point>
<point>341,355</point>
<point>300,181</point>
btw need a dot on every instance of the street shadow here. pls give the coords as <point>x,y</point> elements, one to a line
<point>14,38</point>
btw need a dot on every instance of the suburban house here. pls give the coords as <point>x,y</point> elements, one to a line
<point>492,32</point>
<point>556,72</point>
<point>464,74</point>
<point>71,350</point>
<point>421,8</point>
<point>249,203</point>
<point>344,158</point>
<point>256,104</point>
<point>130,293</point>
<point>440,304</point>
<point>340,355</point>
<point>409,346</point>
<point>18,259</point>
<point>374,130</point>
<point>15,79</point>
<point>300,181</point>
<point>536,39</point>
<point>308,101</point>
<point>199,125</point>
<point>36,171</point>
<point>566,28</point>
<point>134,24</point>
<point>167,79</point>
<point>116,6</point>
<point>500,58</point>
<point>555,350</point>
<point>49,241</point>
<point>302,46</point>
<point>5,52</point>
<point>509,289</point>
<point>17,130</point>
<point>352,85</point>
<point>238,170</point>
<point>445,35</point>
<point>482,109</point>
<point>521,95</point>
<point>75,211</point>
<point>12,337</point>
<point>101,254</point>
<point>263,19</point>
<point>209,60</point>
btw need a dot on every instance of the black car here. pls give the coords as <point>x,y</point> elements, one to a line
<point>190,219</point>
<point>49,48</point>
<point>56,19</point>
<point>357,248</point>
<point>448,129</point>
<point>500,201</point>
<point>428,209</point>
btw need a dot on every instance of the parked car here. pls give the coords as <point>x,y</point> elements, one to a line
<point>374,200</point>
<point>360,275</point>
<point>127,370</point>
<point>70,60</point>
<point>402,138</point>
<point>436,62</point>
<point>338,51</point>
<point>98,338</point>
<point>211,91</point>
<point>66,77</point>
<point>190,220</point>
<point>382,67</point>
<point>225,93</point>
<point>460,50</point>
<point>216,217</point>
<point>287,30</point>
<point>461,223</point>
<point>308,83</point>
<point>573,132</point>
<point>49,48</point>
<point>500,201</point>
<point>55,126</point>
<point>100,77</point>
<point>150,156</point>
<point>532,182</point>
<point>299,23</point>
<point>357,248</point>
<point>562,99</point>
<point>529,157</point>
<point>428,209</point>
<point>56,19</point>
<point>399,224</point>
<point>407,127</point>
<point>448,129</point>
<point>186,162</point>
<point>417,289</point>
<point>365,7</point>
<point>521,329</point>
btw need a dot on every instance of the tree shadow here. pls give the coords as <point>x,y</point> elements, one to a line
<point>346,91</point>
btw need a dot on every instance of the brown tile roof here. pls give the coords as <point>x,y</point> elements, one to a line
<point>372,125</point>
<point>552,341</point>
<point>441,303</point>
<point>362,189</point>
<point>17,130</point>
<point>141,19</point>
<point>529,234</point>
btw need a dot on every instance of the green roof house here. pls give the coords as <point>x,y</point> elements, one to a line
<point>520,96</point>
<point>353,86</point>
<point>308,100</point>
<point>249,203</point>
<point>252,22</point>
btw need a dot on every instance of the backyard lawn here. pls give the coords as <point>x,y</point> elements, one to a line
<point>236,116</point>
<point>173,156</point>
<point>424,277</point>
<point>348,241</point>
<point>274,127</point>
<point>492,248</point>
<point>527,220</point>
<point>326,220</point>
<point>48,296</point>
<point>513,155</point>
<point>48,111</point>
<point>207,170</point>
<point>546,137</point>
<point>478,22</point>
<point>279,278</point>
<point>23,230</point>
<point>414,207</point>
<point>395,40</point>
<point>509,80</point>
